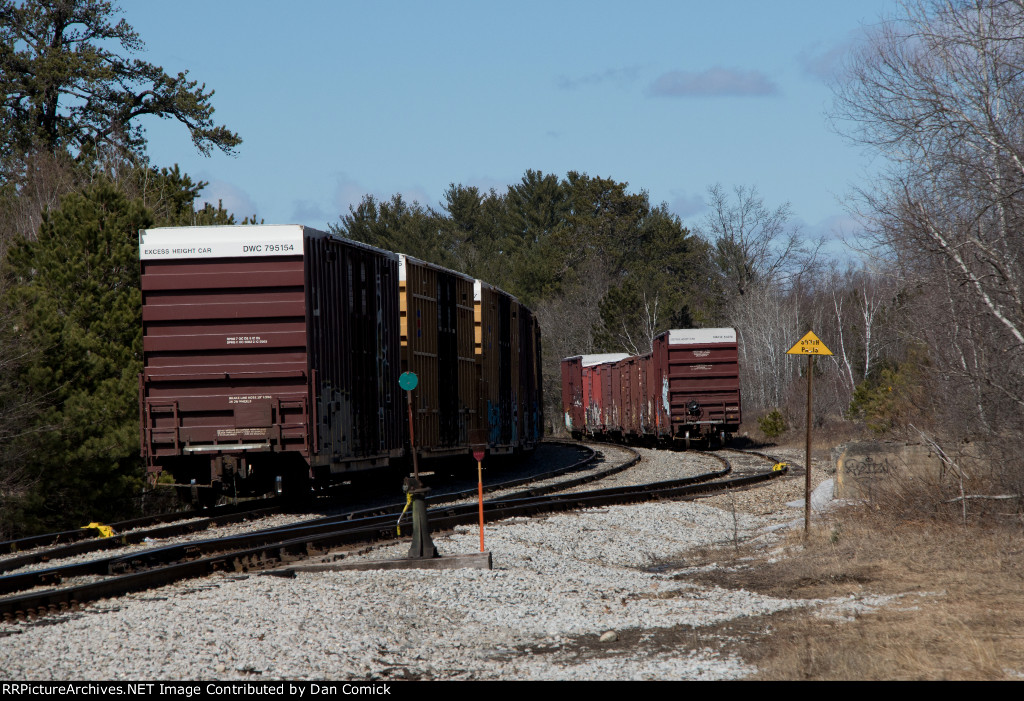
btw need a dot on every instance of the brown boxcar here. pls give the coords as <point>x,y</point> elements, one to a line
<point>436,317</point>
<point>698,370</point>
<point>574,395</point>
<point>529,399</point>
<point>267,351</point>
<point>275,351</point>
<point>645,398</point>
<point>631,401</point>
<point>604,379</point>
<point>620,395</point>
<point>615,414</point>
<point>354,359</point>
<point>589,404</point>
<point>582,392</point>
<point>686,389</point>
<point>499,356</point>
<point>508,350</point>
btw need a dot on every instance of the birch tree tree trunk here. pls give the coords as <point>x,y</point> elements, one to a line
<point>938,92</point>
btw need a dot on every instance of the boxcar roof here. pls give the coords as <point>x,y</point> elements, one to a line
<point>598,358</point>
<point>222,241</point>
<point>693,336</point>
<point>402,257</point>
<point>236,241</point>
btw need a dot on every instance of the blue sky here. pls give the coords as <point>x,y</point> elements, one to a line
<point>338,99</point>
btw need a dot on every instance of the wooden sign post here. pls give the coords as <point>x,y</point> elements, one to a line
<point>810,345</point>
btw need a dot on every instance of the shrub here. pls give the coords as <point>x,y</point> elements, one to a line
<point>890,399</point>
<point>773,424</point>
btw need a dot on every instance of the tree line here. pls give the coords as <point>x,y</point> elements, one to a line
<point>76,187</point>
<point>926,323</point>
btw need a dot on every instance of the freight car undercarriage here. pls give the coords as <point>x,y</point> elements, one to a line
<point>254,471</point>
<point>202,481</point>
<point>706,434</point>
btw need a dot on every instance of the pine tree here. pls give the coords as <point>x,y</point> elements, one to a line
<point>69,85</point>
<point>75,291</point>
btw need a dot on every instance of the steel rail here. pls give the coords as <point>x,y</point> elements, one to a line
<point>83,533</point>
<point>104,566</point>
<point>199,523</point>
<point>310,531</point>
<point>303,544</point>
<point>120,540</point>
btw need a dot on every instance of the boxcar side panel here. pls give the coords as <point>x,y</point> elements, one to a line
<point>437,344</point>
<point>493,313</point>
<point>572,394</point>
<point>530,379</point>
<point>354,355</point>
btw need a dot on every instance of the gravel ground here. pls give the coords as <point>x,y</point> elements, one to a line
<point>558,585</point>
<point>654,466</point>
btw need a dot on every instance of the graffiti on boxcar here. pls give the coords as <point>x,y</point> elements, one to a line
<point>494,420</point>
<point>515,419</point>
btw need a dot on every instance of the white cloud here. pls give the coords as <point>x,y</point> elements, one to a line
<point>231,197</point>
<point>714,82</point>
<point>824,63</point>
<point>836,227</point>
<point>311,213</point>
<point>619,76</point>
<point>684,205</point>
<point>347,193</point>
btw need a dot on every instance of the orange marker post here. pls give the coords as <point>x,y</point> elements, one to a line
<point>479,455</point>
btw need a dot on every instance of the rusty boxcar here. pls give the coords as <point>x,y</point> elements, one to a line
<point>272,356</point>
<point>583,390</point>
<point>687,389</point>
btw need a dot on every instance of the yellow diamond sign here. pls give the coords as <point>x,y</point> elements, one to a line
<point>809,345</point>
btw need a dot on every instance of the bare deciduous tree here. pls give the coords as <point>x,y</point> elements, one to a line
<point>938,92</point>
<point>568,321</point>
<point>859,299</point>
<point>760,257</point>
<point>753,245</point>
<point>767,322</point>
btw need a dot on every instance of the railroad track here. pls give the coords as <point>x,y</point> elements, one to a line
<point>792,467</point>
<point>84,534</point>
<point>56,546</point>
<point>278,546</point>
<point>385,513</point>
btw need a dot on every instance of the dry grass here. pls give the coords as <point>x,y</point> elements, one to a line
<point>957,611</point>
